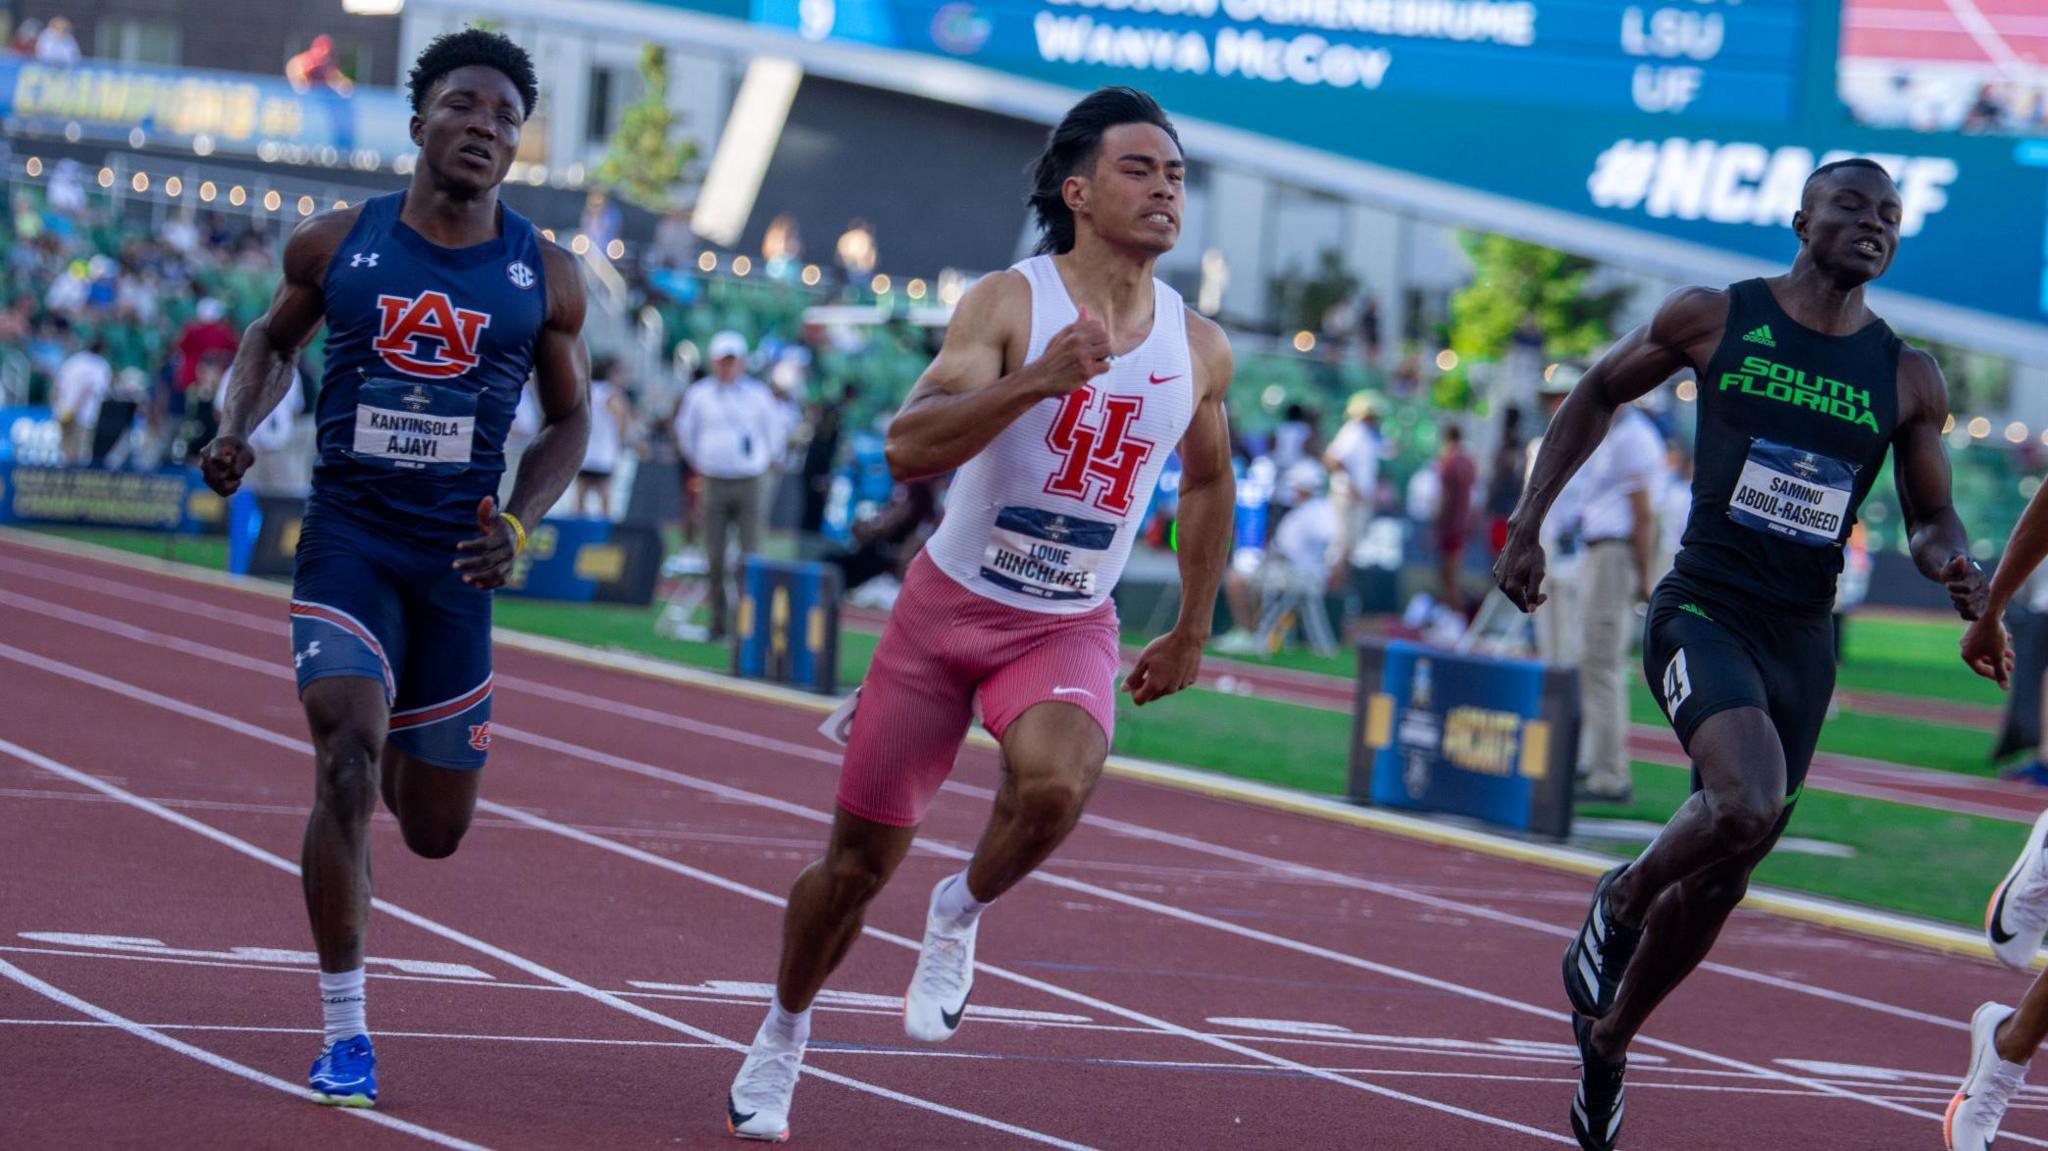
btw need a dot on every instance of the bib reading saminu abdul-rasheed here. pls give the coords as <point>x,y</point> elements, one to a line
<point>1044,518</point>
<point>1793,427</point>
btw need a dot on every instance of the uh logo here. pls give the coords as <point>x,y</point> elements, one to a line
<point>427,335</point>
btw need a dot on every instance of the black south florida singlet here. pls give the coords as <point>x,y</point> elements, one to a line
<point>1793,427</point>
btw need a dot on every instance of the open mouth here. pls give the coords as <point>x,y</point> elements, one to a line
<point>1869,248</point>
<point>1159,218</point>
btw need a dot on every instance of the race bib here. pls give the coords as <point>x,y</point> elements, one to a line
<point>414,427</point>
<point>1792,493</point>
<point>1046,554</point>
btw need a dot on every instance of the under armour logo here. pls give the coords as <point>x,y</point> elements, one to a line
<point>363,260</point>
<point>299,658</point>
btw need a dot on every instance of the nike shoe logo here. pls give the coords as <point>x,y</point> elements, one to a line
<point>952,1018</point>
<point>1998,932</point>
<point>1156,378</point>
<point>1073,691</point>
<point>733,1113</point>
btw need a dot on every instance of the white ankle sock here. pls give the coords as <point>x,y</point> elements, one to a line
<point>956,904</point>
<point>341,1002</point>
<point>786,1025</point>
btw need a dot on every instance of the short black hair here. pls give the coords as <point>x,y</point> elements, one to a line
<point>452,50</point>
<point>1072,146</point>
<point>1806,190</point>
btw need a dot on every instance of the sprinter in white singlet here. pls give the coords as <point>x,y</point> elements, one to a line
<point>1063,385</point>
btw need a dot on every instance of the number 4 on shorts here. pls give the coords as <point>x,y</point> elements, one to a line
<point>1677,684</point>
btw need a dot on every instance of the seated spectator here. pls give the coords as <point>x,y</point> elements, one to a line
<point>1298,565</point>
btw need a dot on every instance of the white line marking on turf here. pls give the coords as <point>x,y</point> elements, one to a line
<point>275,739</point>
<point>1056,880</point>
<point>220,1062</point>
<point>451,934</point>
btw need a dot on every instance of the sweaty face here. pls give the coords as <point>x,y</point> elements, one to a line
<point>469,130</point>
<point>1135,195</point>
<point>1850,224</point>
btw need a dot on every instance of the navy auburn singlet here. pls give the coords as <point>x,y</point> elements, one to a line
<point>428,349</point>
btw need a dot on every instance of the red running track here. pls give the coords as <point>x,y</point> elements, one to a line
<point>1189,972</point>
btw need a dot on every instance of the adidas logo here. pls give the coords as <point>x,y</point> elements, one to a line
<point>1761,336</point>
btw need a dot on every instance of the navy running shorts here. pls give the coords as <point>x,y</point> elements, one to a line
<point>367,604</point>
<point>1704,652</point>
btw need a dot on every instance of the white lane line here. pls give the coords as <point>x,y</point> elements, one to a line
<point>745,738</point>
<point>500,954</point>
<point>1197,919</point>
<point>275,739</point>
<point>839,1050</point>
<point>220,1062</point>
<point>1157,908</point>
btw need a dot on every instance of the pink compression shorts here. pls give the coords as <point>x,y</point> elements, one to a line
<point>944,651</point>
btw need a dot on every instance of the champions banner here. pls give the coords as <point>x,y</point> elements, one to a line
<point>172,500</point>
<point>1492,739</point>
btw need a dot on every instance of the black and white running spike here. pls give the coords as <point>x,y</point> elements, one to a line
<point>1598,1104</point>
<point>1599,954</point>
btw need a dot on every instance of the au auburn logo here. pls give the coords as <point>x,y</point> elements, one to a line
<point>480,736</point>
<point>427,335</point>
<point>1099,461</point>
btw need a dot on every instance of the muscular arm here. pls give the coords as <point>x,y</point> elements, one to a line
<point>964,399</point>
<point>1637,363</point>
<point>1208,486</point>
<point>269,351</point>
<point>561,364</point>
<point>1208,498</point>
<point>1920,470</point>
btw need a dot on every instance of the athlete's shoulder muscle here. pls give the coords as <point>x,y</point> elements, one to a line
<point>567,300</point>
<point>986,337</point>
<point>1691,320</point>
<point>300,302</point>
<point>1923,390</point>
<point>1209,348</point>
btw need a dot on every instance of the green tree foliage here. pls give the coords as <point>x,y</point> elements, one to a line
<point>1512,279</point>
<point>1299,301</point>
<point>646,156</point>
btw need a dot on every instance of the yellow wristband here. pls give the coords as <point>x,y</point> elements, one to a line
<point>518,532</point>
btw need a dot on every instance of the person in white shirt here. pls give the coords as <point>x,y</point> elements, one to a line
<point>277,469</point>
<point>731,431</point>
<point>1353,459</point>
<point>1618,528</point>
<point>611,435</point>
<point>83,381</point>
<point>1300,556</point>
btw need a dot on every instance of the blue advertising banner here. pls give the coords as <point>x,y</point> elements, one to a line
<point>229,111</point>
<point>1469,735</point>
<point>172,500</point>
<point>1694,121</point>
<point>587,560</point>
<point>788,624</point>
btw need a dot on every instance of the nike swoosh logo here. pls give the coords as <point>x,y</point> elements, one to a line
<point>1154,377</point>
<point>733,1113</point>
<point>952,1018</point>
<point>1072,691</point>
<point>1998,932</point>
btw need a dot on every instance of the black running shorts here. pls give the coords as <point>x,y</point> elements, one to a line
<point>1705,652</point>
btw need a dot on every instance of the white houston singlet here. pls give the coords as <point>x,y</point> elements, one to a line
<point>1044,518</point>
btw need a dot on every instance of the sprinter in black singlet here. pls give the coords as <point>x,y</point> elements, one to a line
<point>1802,390</point>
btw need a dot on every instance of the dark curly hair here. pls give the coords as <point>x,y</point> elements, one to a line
<point>1072,148</point>
<point>452,50</point>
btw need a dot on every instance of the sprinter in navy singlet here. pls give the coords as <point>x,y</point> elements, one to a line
<point>1803,392</point>
<point>440,303</point>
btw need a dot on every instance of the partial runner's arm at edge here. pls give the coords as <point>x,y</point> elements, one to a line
<point>963,400</point>
<point>1635,365</point>
<point>1934,532</point>
<point>269,351</point>
<point>561,365</point>
<point>1208,485</point>
<point>2024,551</point>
